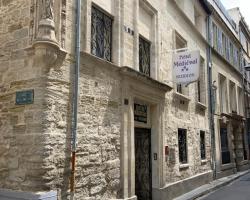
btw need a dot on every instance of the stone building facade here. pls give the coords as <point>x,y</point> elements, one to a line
<point>133,120</point>
<point>244,38</point>
<point>228,92</point>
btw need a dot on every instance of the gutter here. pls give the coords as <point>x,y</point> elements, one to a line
<point>75,95</point>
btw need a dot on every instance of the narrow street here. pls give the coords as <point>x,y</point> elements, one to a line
<point>237,190</point>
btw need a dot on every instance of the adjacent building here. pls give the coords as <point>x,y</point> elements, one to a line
<point>140,135</point>
<point>227,83</point>
<point>244,38</point>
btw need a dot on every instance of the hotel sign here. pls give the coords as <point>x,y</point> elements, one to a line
<point>186,67</point>
<point>140,113</point>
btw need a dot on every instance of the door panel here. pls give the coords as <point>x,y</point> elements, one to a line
<point>143,179</point>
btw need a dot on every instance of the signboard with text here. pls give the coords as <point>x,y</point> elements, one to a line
<point>186,67</point>
<point>140,113</point>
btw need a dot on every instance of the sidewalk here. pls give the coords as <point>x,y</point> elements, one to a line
<point>214,185</point>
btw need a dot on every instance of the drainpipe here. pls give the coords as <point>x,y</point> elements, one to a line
<point>211,96</point>
<point>75,95</point>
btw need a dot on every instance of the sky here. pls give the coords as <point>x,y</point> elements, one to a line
<point>244,6</point>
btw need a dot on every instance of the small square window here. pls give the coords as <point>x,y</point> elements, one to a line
<point>180,42</point>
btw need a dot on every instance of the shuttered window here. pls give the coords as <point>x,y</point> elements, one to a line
<point>219,41</point>
<point>215,37</point>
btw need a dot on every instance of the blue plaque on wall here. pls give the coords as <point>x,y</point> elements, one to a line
<point>24,97</point>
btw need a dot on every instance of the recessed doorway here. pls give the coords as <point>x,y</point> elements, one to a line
<point>143,165</point>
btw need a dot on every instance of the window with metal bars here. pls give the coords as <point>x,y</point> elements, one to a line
<point>182,143</point>
<point>202,145</point>
<point>101,34</point>
<point>144,56</point>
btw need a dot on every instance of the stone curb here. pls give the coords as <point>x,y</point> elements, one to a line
<point>210,187</point>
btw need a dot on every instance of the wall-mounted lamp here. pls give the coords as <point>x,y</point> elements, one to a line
<point>214,87</point>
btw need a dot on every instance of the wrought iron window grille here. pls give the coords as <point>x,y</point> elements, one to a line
<point>101,34</point>
<point>202,145</point>
<point>182,142</point>
<point>144,56</point>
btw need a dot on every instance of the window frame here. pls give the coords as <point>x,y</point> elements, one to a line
<point>224,45</point>
<point>146,41</point>
<point>224,147</point>
<point>203,156</point>
<point>215,36</point>
<point>104,14</point>
<point>183,155</point>
<point>181,40</point>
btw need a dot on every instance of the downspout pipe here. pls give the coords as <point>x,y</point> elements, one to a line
<point>211,95</point>
<point>75,95</point>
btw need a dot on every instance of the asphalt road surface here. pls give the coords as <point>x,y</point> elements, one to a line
<point>237,190</point>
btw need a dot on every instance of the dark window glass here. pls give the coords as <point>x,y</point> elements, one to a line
<point>101,34</point>
<point>225,153</point>
<point>199,90</point>
<point>144,56</point>
<point>182,142</point>
<point>203,145</point>
<point>179,88</point>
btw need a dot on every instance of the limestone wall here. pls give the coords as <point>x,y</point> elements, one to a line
<point>188,114</point>
<point>165,19</point>
<point>33,137</point>
<point>21,142</point>
<point>98,153</point>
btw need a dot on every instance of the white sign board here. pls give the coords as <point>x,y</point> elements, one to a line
<point>186,66</point>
